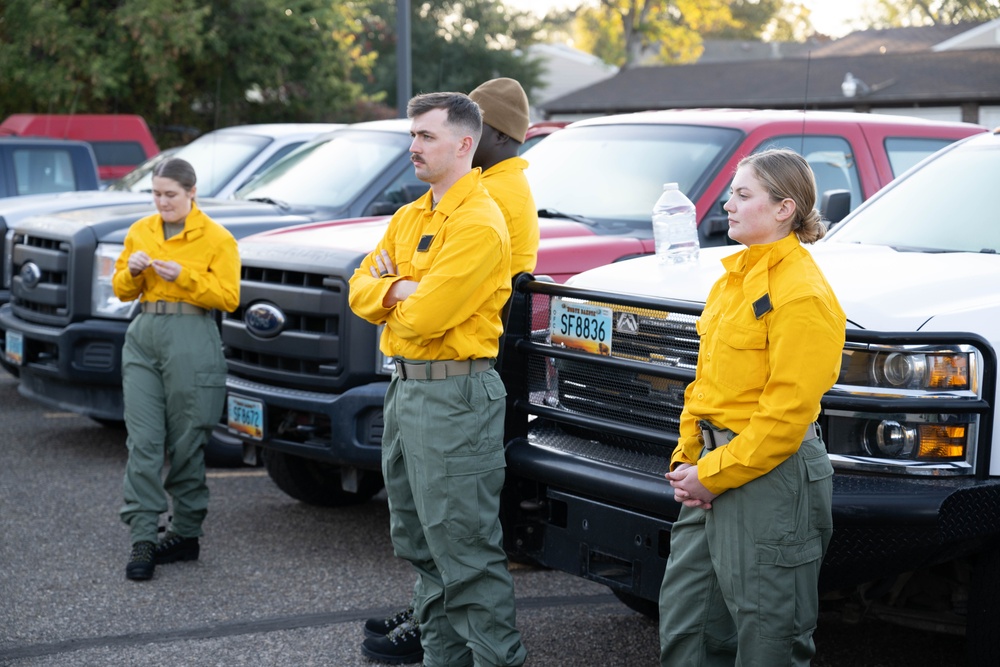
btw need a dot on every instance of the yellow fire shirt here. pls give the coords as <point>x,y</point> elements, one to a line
<point>509,188</point>
<point>761,374</point>
<point>459,252</point>
<point>208,253</point>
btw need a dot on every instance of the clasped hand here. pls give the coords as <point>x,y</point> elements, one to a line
<point>688,489</point>
<point>401,289</point>
<point>139,261</point>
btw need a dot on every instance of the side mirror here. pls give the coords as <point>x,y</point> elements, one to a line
<point>382,208</point>
<point>835,205</point>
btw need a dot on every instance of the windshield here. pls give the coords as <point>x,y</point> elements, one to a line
<point>216,157</point>
<point>332,172</point>
<point>617,172</point>
<point>138,180</point>
<point>943,206</point>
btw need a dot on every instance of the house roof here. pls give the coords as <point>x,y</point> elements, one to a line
<point>884,41</point>
<point>927,78</point>
<point>731,50</point>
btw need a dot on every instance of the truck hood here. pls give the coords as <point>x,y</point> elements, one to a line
<point>879,288</point>
<point>566,247</point>
<point>110,223</point>
<point>15,209</point>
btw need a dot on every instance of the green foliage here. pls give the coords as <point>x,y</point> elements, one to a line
<point>894,13</point>
<point>767,20</point>
<point>751,20</point>
<point>455,45</point>
<point>212,63</point>
<point>630,32</point>
<point>181,62</point>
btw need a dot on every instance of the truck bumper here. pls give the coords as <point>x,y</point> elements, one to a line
<point>76,368</point>
<point>612,524</point>
<point>340,429</point>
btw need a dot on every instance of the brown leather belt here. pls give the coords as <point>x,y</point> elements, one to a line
<point>439,370</point>
<point>714,438</point>
<point>172,308</point>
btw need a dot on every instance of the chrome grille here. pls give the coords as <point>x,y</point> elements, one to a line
<point>591,391</point>
<point>307,351</point>
<point>49,296</point>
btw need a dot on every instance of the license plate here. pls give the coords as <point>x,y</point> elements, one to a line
<point>14,348</point>
<point>245,416</point>
<point>580,326</point>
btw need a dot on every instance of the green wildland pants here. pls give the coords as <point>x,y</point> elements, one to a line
<point>740,586</point>
<point>174,384</point>
<point>443,463</point>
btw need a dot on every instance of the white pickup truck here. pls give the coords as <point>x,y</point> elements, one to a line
<point>910,424</point>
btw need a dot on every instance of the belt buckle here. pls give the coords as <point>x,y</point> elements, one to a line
<point>400,368</point>
<point>707,435</point>
<point>160,307</point>
<point>708,438</point>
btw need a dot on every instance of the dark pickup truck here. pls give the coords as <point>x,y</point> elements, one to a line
<point>64,328</point>
<point>34,166</point>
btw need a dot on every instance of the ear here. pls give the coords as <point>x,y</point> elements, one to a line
<point>467,146</point>
<point>786,210</point>
<point>194,191</point>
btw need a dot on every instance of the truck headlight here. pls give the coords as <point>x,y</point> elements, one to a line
<point>8,257</point>
<point>106,304</point>
<point>901,438</point>
<point>912,409</point>
<point>383,365</point>
<point>889,438</point>
<point>944,370</point>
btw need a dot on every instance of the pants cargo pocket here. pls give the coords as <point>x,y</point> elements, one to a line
<point>474,482</point>
<point>209,396</point>
<point>819,472</point>
<point>787,586</point>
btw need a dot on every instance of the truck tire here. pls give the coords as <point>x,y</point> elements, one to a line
<point>317,483</point>
<point>114,424</point>
<point>981,637</point>
<point>648,608</point>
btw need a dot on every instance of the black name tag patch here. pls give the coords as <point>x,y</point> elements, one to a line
<point>425,242</point>
<point>762,306</point>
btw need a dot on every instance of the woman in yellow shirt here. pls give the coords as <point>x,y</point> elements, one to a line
<point>750,467</point>
<point>181,265</point>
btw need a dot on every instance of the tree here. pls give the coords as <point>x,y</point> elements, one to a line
<point>194,63</point>
<point>624,32</point>
<point>890,13</point>
<point>455,44</point>
<point>768,20</point>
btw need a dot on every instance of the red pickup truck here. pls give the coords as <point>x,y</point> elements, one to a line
<point>306,379</point>
<point>120,141</point>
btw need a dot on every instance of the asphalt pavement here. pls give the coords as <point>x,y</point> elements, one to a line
<point>278,582</point>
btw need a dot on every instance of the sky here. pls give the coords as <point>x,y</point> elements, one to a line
<point>829,18</point>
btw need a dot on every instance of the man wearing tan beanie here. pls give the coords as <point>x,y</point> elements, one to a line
<point>505,122</point>
<point>504,106</point>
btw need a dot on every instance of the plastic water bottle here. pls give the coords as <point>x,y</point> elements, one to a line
<point>675,227</point>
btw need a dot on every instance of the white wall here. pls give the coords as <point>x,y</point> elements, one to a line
<point>990,117</point>
<point>953,114</point>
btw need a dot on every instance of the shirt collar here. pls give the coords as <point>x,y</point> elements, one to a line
<point>194,224</point>
<point>755,262</point>
<point>455,195</point>
<point>767,254</point>
<point>510,164</point>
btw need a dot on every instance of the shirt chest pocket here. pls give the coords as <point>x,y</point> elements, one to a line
<point>741,356</point>
<point>422,250</point>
